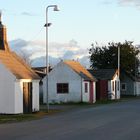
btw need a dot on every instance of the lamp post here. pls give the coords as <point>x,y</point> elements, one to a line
<point>55,8</point>
<point>119,69</point>
<point>119,61</point>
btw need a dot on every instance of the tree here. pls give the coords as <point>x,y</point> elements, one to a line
<point>107,56</point>
<point>26,57</point>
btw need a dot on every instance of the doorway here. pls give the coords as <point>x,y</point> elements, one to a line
<point>27,97</point>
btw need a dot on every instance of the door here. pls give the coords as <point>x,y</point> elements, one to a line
<point>102,90</point>
<point>27,97</point>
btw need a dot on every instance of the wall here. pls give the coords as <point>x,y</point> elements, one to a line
<point>63,74</point>
<point>7,92</point>
<point>94,92</point>
<point>129,85</point>
<point>35,104</point>
<point>115,94</point>
<point>137,88</point>
<point>18,96</point>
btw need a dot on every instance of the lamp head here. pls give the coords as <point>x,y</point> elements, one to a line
<point>56,8</point>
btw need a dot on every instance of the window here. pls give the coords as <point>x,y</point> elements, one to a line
<point>86,87</point>
<point>123,86</point>
<point>62,88</point>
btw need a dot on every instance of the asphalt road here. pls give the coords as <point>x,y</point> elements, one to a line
<point>119,121</point>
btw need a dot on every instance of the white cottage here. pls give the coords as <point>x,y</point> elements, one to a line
<point>19,85</point>
<point>108,85</point>
<point>69,81</point>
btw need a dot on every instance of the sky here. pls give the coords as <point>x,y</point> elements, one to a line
<point>74,28</point>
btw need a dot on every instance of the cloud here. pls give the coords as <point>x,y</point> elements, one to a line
<point>135,3</point>
<point>27,14</point>
<point>36,50</point>
<point>129,3</point>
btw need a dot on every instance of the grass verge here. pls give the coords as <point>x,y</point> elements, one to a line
<point>25,117</point>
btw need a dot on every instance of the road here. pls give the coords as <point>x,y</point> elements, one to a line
<point>119,121</point>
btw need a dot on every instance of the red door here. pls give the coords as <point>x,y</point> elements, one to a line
<point>103,89</point>
<point>91,92</point>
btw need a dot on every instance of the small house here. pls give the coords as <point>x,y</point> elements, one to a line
<point>108,84</point>
<point>130,84</point>
<point>69,81</point>
<point>19,85</point>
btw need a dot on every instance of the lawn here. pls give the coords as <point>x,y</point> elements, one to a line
<point>25,117</point>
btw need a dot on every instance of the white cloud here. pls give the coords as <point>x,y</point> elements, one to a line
<point>27,14</point>
<point>37,51</point>
<point>135,3</point>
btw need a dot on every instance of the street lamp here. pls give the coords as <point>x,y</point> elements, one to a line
<point>119,61</point>
<point>55,8</point>
<point>119,70</point>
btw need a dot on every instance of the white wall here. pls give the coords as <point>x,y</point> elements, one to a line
<point>116,91</point>
<point>7,91</point>
<point>94,92</point>
<point>63,74</point>
<point>137,88</point>
<point>18,96</point>
<point>35,105</point>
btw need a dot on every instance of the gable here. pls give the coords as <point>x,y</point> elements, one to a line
<point>62,71</point>
<point>79,69</point>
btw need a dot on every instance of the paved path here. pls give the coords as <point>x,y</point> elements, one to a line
<point>119,121</point>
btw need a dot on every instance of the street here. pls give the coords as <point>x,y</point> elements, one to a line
<point>118,121</point>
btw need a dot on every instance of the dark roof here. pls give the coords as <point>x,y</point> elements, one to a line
<point>103,74</point>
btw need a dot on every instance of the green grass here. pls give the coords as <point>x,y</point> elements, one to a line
<point>16,118</point>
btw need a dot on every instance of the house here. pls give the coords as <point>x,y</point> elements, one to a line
<point>108,84</point>
<point>19,85</point>
<point>69,81</point>
<point>130,85</point>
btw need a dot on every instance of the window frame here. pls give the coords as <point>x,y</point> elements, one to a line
<point>86,87</point>
<point>62,88</point>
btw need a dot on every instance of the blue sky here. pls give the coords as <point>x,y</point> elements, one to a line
<point>77,25</point>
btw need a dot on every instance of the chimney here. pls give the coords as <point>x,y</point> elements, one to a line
<point>3,37</point>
